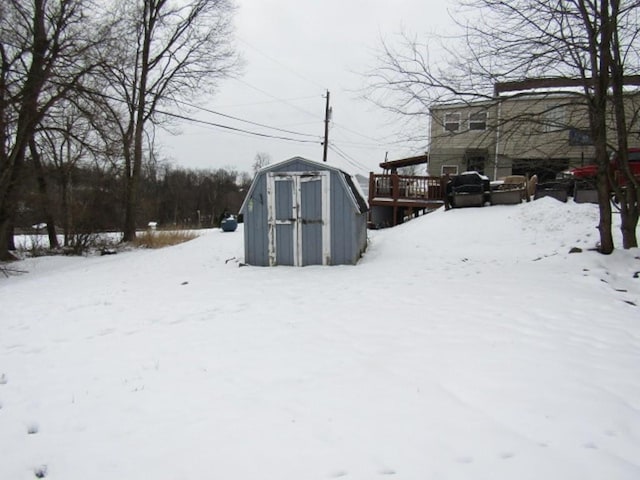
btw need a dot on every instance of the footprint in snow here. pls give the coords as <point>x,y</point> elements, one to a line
<point>464,460</point>
<point>338,474</point>
<point>387,471</point>
<point>507,455</point>
<point>590,445</point>
<point>3,379</point>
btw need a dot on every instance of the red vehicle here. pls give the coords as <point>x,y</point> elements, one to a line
<point>584,178</point>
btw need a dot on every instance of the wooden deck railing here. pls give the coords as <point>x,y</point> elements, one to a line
<point>405,187</point>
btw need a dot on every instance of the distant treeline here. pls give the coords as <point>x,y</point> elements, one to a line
<point>90,198</point>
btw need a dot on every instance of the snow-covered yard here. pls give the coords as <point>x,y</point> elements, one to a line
<point>467,344</point>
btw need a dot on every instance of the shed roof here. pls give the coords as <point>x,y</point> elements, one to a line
<point>349,183</point>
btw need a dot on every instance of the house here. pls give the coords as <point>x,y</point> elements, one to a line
<point>520,134</point>
<point>299,212</point>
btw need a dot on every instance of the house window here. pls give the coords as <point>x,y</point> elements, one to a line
<point>554,119</point>
<point>478,121</point>
<point>449,170</point>
<point>452,122</point>
<point>476,164</point>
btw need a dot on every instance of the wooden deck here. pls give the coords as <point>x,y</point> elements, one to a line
<point>404,196</point>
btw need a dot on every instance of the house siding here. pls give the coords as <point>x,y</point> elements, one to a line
<point>522,132</point>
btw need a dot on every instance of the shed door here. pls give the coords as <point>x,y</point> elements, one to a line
<point>298,218</point>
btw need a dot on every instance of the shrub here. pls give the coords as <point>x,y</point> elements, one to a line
<point>160,239</point>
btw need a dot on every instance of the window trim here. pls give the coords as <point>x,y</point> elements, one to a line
<point>442,172</point>
<point>555,119</point>
<point>446,122</point>
<point>483,122</point>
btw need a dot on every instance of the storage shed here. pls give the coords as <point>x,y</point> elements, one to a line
<point>299,212</point>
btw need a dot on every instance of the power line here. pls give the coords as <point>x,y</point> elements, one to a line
<point>316,139</point>
<point>306,112</point>
<point>235,129</point>
<point>243,120</point>
<point>267,102</point>
<point>354,132</point>
<point>296,124</point>
<point>379,144</point>
<point>225,127</point>
<point>353,144</point>
<point>346,157</point>
<point>292,70</point>
<point>363,145</point>
<point>353,160</point>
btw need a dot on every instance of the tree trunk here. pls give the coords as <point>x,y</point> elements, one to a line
<point>598,120</point>
<point>130,204</point>
<point>604,204</point>
<point>629,194</point>
<point>12,239</point>
<point>6,241</point>
<point>27,120</point>
<point>135,169</point>
<point>8,202</point>
<point>134,165</point>
<point>629,218</point>
<point>67,219</point>
<point>44,196</point>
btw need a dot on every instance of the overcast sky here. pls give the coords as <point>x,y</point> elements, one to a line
<point>295,50</point>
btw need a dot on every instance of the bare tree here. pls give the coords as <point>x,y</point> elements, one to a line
<point>198,197</point>
<point>47,47</point>
<point>167,50</point>
<point>41,177</point>
<point>261,160</point>
<point>66,138</point>
<point>621,49</point>
<point>571,43</point>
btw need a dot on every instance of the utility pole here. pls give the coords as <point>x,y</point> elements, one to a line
<point>327,115</point>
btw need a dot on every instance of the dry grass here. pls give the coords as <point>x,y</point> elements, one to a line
<point>160,239</point>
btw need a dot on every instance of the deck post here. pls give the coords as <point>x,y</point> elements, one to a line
<point>395,190</point>
<point>372,186</point>
<point>443,190</point>
<point>395,186</point>
<point>371,195</point>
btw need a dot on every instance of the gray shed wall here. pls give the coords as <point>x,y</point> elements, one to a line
<point>348,226</point>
